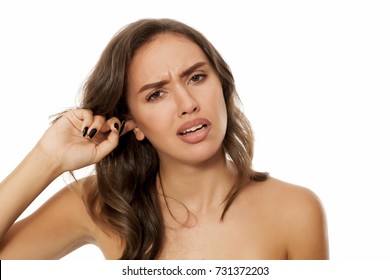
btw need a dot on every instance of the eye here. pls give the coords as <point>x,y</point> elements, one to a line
<point>155,95</point>
<point>197,78</point>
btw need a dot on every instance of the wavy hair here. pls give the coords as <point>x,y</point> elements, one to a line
<point>126,198</point>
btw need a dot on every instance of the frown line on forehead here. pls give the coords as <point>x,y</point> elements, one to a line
<point>184,73</point>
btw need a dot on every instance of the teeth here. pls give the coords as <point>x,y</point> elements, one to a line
<point>192,129</point>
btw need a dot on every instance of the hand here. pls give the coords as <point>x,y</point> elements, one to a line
<point>79,138</point>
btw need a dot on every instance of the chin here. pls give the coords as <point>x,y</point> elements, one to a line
<point>205,157</point>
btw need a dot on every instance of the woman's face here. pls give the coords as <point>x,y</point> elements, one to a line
<point>176,100</point>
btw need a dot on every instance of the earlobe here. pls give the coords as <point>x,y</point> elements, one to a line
<point>138,133</point>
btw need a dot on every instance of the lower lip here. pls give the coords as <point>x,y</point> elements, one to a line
<point>197,136</point>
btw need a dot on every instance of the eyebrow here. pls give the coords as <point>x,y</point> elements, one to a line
<point>164,82</point>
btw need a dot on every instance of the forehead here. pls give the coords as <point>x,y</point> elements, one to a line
<point>167,53</point>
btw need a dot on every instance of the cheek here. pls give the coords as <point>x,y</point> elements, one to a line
<point>218,102</point>
<point>223,115</point>
<point>155,124</point>
<point>220,106</point>
<point>153,121</point>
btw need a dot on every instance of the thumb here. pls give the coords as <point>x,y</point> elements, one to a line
<point>106,146</point>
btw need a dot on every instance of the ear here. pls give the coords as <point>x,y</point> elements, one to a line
<point>130,124</point>
<point>126,126</point>
<point>138,133</point>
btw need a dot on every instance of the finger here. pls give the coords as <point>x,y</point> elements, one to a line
<point>95,126</point>
<point>85,116</point>
<point>109,144</point>
<point>111,124</point>
<point>127,126</point>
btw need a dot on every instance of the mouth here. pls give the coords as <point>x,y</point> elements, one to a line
<point>192,129</point>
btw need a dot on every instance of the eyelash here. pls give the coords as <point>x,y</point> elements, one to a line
<point>154,95</point>
<point>158,93</point>
<point>198,75</point>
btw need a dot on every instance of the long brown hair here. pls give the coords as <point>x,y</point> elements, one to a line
<point>126,198</point>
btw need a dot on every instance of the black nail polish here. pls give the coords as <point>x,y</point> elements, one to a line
<point>116,125</point>
<point>122,127</point>
<point>92,133</point>
<point>85,131</point>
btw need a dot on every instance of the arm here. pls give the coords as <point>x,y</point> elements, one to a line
<point>58,227</point>
<point>62,148</point>
<point>23,185</point>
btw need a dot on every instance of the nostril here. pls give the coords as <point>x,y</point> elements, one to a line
<point>193,110</point>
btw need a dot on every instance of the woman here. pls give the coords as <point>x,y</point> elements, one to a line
<point>173,157</point>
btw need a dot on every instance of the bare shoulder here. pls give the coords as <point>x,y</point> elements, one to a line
<point>297,213</point>
<point>283,196</point>
<point>84,187</point>
<point>83,190</point>
<point>106,239</point>
<point>294,197</point>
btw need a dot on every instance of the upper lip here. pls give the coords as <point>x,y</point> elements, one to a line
<point>192,123</point>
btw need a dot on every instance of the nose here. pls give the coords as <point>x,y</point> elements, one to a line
<point>186,102</point>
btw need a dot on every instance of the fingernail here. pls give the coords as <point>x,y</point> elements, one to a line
<point>85,131</point>
<point>122,127</point>
<point>92,133</point>
<point>116,125</point>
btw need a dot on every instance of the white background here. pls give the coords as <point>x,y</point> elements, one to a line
<point>314,78</point>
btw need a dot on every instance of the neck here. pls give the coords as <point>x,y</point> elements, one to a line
<point>199,187</point>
